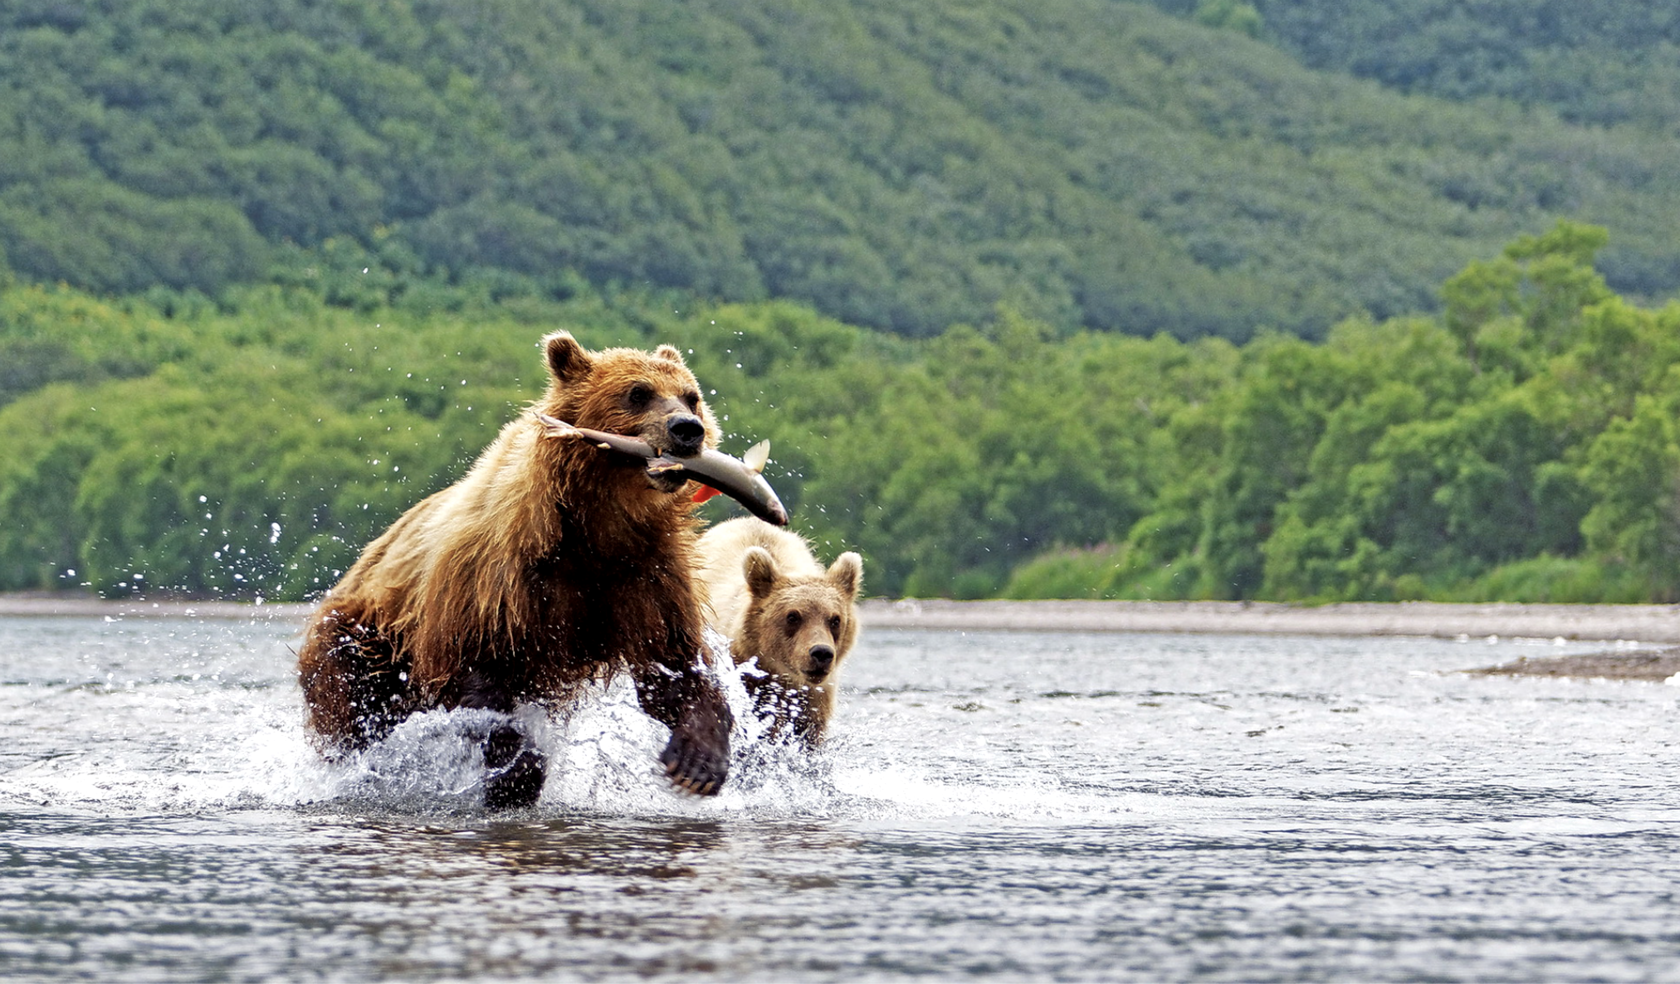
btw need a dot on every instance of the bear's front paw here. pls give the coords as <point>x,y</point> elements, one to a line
<point>697,756</point>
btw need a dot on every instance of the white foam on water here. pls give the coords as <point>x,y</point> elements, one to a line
<point>190,742</point>
<point>184,718</point>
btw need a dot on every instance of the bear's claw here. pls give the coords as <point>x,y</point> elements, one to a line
<point>695,764</point>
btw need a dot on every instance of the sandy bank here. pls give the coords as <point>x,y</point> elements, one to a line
<point>1644,623</point>
<point>69,605</point>
<point>1655,665</point>
<point>1655,624</point>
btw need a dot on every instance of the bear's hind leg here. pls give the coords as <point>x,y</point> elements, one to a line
<point>355,689</point>
<point>516,769</point>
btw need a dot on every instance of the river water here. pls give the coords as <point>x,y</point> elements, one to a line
<point>992,805</point>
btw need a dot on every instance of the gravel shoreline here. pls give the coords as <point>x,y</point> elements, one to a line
<point>74,605</point>
<point>1641,623</point>
<point>1652,625</point>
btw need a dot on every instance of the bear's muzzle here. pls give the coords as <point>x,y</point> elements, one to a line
<point>822,660</point>
<point>687,434</point>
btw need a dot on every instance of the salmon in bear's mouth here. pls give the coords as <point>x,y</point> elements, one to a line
<point>669,482</point>
<point>739,479</point>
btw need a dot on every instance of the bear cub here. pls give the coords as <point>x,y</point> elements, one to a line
<point>778,605</point>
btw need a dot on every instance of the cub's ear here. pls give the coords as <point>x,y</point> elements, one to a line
<point>846,573</point>
<point>761,572</point>
<point>670,354</point>
<point>567,360</point>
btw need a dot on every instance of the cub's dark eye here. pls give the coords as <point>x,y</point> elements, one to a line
<point>640,395</point>
<point>692,399</point>
<point>834,625</point>
<point>793,619</point>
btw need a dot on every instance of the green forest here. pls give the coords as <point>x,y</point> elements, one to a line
<point>1524,444</point>
<point>1089,163</point>
<point>1602,62</point>
<point>1289,299</point>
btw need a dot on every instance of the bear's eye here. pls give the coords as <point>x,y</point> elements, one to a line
<point>834,625</point>
<point>793,619</point>
<point>640,395</point>
<point>692,399</point>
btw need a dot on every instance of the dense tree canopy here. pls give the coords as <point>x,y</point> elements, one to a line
<point>1596,61</point>
<point>1521,445</point>
<point>1199,298</point>
<point>1091,164</point>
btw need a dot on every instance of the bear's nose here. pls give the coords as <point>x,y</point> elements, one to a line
<point>822,657</point>
<point>688,434</point>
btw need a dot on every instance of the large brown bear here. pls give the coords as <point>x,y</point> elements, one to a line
<point>552,563</point>
<point>778,605</point>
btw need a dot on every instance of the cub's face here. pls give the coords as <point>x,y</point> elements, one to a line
<point>801,627</point>
<point>805,630</point>
<point>649,395</point>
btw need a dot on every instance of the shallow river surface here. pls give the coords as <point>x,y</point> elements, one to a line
<point>1045,806</point>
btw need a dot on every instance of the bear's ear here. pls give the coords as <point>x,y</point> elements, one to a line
<point>761,572</point>
<point>670,354</point>
<point>567,360</point>
<point>846,573</point>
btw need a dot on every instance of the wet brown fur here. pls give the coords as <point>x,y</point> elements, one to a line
<point>756,577</point>
<point>550,563</point>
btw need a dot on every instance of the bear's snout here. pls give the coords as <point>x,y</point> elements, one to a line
<point>822,660</point>
<point>687,433</point>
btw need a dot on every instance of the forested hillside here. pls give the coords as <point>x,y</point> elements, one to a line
<point>1523,445</point>
<point>899,166</point>
<point>1216,299</point>
<point>1592,61</point>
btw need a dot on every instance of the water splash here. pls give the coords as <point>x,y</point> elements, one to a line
<point>171,716</point>
<point>141,718</point>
